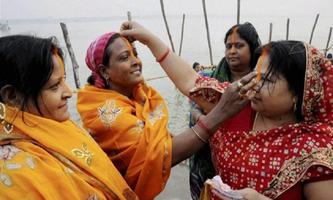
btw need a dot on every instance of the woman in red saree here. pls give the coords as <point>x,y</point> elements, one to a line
<point>286,152</point>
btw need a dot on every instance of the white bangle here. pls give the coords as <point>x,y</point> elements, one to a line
<point>197,134</point>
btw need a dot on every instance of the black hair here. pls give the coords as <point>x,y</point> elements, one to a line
<point>195,64</point>
<point>106,56</point>
<point>247,32</point>
<point>26,64</point>
<point>329,56</point>
<point>288,58</point>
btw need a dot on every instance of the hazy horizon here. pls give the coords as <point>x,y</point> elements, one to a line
<point>46,9</point>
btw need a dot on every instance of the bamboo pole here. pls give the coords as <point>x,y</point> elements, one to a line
<point>181,36</point>
<point>270,32</point>
<point>71,54</point>
<point>207,29</point>
<point>328,41</point>
<point>238,11</point>
<point>167,26</point>
<point>313,28</point>
<point>155,78</point>
<point>129,16</point>
<point>287,35</point>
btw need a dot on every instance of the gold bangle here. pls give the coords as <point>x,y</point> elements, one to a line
<point>197,134</point>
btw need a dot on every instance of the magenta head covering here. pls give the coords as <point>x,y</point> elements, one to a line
<point>94,57</point>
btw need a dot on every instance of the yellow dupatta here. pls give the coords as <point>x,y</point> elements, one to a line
<point>46,159</point>
<point>133,132</point>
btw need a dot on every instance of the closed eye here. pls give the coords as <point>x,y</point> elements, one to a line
<point>55,86</point>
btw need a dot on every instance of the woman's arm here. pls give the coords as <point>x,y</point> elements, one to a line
<point>187,142</point>
<point>180,72</point>
<point>319,190</point>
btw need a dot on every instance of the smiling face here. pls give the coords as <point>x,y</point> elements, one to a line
<point>52,100</point>
<point>124,67</point>
<point>273,97</point>
<point>237,52</point>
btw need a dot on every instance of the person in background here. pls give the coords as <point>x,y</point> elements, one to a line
<point>329,56</point>
<point>201,70</point>
<point>196,66</point>
<point>43,154</point>
<point>129,118</point>
<point>240,41</point>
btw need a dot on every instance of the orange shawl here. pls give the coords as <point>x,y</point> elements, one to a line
<point>133,133</point>
<point>46,159</point>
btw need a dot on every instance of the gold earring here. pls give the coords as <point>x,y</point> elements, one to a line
<point>107,81</point>
<point>2,111</point>
<point>7,127</point>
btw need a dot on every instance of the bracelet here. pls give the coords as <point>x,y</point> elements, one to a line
<point>196,121</point>
<point>160,59</point>
<point>197,134</point>
<point>203,126</point>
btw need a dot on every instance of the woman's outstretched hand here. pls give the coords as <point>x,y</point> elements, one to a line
<point>134,31</point>
<point>234,98</point>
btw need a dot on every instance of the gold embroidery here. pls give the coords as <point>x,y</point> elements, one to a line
<point>6,180</point>
<point>108,113</point>
<point>157,114</point>
<point>294,169</point>
<point>93,197</point>
<point>83,153</point>
<point>139,126</point>
<point>7,153</point>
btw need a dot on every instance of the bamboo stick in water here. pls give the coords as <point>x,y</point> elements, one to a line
<point>287,35</point>
<point>313,28</point>
<point>328,41</point>
<point>182,36</point>
<point>207,29</point>
<point>71,54</point>
<point>238,11</point>
<point>270,32</point>
<point>167,26</point>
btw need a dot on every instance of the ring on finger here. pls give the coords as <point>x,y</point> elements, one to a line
<point>242,95</point>
<point>239,85</point>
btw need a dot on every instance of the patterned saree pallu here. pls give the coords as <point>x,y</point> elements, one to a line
<point>133,132</point>
<point>45,159</point>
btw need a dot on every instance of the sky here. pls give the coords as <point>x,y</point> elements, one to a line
<point>39,9</point>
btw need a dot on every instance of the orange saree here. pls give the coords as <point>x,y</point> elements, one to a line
<point>45,159</point>
<point>133,133</point>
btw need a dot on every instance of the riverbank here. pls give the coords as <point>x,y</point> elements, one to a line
<point>178,187</point>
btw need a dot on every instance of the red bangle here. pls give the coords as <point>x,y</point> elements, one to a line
<point>203,126</point>
<point>160,59</point>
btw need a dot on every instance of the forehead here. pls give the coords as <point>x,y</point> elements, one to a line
<point>58,66</point>
<point>120,44</point>
<point>262,64</point>
<point>234,36</point>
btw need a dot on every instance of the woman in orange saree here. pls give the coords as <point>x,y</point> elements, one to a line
<point>43,154</point>
<point>128,118</point>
